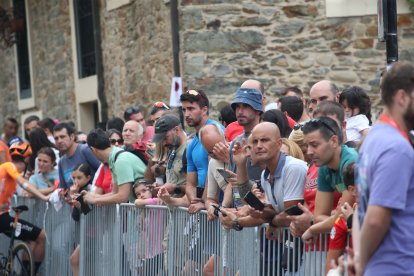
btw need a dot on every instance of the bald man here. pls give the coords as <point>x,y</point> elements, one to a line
<point>323,90</point>
<point>283,179</point>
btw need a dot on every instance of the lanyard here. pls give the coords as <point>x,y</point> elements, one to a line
<point>388,120</point>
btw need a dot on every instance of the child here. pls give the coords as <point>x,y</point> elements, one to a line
<point>143,194</point>
<point>357,107</point>
<point>341,228</point>
<point>81,177</point>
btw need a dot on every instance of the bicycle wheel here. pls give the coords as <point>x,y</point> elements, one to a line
<point>22,263</point>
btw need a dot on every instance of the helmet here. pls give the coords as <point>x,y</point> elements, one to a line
<point>22,149</point>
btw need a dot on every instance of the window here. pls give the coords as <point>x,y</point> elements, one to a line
<point>85,38</point>
<point>22,49</point>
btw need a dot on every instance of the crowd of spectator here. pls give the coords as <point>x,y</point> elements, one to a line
<point>306,164</point>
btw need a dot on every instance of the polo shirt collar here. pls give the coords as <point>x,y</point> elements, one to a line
<point>279,168</point>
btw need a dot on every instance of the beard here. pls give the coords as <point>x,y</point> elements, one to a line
<point>408,116</point>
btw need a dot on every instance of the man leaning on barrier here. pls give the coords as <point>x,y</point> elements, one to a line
<point>126,168</point>
<point>282,180</point>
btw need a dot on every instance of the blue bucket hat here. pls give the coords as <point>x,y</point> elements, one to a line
<point>249,96</point>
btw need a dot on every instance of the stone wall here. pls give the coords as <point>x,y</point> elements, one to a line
<point>281,43</point>
<point>51,63</point>
<point>52,58</point>
<point>137,54</point>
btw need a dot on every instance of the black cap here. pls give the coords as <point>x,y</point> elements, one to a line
<point>163,125</point>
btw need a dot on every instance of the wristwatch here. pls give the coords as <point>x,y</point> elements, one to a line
<point>236,225</point>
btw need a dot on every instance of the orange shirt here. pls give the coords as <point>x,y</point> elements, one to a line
<point>8,177</point>
<point>4,148</point>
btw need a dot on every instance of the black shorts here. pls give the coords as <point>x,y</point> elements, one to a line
<point>29,232</point>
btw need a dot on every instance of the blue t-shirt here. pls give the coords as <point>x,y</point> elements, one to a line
<point>197,157</point>
<point>83,154</point>
<point>385,177</point>
<point>43,180</point>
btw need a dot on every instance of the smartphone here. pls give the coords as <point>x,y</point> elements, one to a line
<point>294,211</point>
<point>217,210</point>
<point>85,208</point>
<point>225,174</point>
<point>253,201</point>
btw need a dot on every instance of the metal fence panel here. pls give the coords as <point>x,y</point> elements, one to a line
<point>156,240</point>
<point>143,239</point>
<point>192,242</point>
<point>100,241</point>
<point>62,232</point>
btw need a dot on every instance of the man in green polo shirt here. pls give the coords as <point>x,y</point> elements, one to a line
<point>325,146</point>
<point>126,169</point>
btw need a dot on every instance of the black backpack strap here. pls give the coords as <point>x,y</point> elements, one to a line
<point>118,153</point>
<point>184,161</point>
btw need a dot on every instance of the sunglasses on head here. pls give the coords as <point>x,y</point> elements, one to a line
<point>319,121</point>
<point>114,141</point>
<point>194,93</point>
<point>132,110</point>
<point>161,105</point>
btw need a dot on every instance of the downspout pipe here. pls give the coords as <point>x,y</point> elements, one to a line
<point>99,63</point>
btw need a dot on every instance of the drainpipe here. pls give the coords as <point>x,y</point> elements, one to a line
<point>391,38</point>
<point>99,63</point>
<point>175,37</point>
<point>175,34</point>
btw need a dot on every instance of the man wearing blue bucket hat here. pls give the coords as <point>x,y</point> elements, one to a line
<point>248,106</point>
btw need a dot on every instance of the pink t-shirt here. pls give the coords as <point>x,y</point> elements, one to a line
<point>149,133</point>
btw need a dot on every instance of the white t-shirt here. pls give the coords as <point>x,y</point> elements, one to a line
<point>354,126</point>
<point>216,182</point>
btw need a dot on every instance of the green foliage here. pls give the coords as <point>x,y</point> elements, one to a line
<point>411,4</point>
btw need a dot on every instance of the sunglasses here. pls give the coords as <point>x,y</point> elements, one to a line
<point>114,141</point>
<point>194,93</point>
<point>318,121</point>
<point>20,151</point>
<point>132,110</point>
<point>81,142</point>
<point>161,105</point>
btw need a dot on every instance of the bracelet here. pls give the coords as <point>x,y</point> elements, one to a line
<point>25,185</point>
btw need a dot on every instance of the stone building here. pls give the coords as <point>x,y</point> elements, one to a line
<point>87,60</point>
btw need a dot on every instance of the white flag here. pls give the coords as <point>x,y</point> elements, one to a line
<point>176,91</point>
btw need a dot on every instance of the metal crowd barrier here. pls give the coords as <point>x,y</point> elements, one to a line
<point>156,240</point>
<point>192,243</point>
<point>62,236</point>
<point>100,242</point>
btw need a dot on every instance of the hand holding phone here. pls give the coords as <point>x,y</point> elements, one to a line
<point>253,201</point>
<point>294,211</point>
<point>217,210</point>
<point>85,208</point>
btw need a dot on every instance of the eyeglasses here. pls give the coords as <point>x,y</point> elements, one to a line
<point>161,105</point>
<point>114,141</point>
<point>81,142</point>
<point>132,110</point>
<point>317,121</point>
